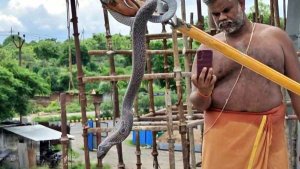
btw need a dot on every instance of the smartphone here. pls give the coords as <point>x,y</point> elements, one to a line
<point>204,59</point>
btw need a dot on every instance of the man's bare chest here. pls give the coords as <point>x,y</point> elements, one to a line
<point>269,55</point>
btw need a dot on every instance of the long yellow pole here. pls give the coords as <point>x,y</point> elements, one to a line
<point>239,57</point>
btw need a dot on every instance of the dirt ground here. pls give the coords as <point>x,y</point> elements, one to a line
<point>129,155</point>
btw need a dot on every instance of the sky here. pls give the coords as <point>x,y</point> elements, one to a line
<point>42,19</point>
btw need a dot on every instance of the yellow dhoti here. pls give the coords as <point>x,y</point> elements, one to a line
<point>245,140</point>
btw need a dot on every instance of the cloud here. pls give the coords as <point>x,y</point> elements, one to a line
<point>8,21</point>
<point>48,18</point>
<point>53,7</point>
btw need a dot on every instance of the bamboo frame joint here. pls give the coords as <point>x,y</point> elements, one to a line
<point>176,23</point>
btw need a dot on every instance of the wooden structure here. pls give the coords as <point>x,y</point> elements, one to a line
<point>173,117</point>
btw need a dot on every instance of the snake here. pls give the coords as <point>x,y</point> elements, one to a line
<point>138,25</point>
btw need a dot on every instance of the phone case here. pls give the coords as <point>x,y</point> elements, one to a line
<point>204,59</point>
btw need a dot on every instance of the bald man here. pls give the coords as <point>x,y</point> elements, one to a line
<point>244,113</point>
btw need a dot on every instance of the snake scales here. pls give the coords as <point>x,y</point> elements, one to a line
<point>138,24</point>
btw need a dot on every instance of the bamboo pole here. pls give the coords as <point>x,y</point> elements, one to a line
<point>81,85</point>
<point>168,110</point>
<point>97,99</point>
<point>276,13</point>
<point>153,128</point>
<point>190,113</point>
<point>129,52</point>
<point>284,15</point>
<point>163,35</point>
<point>272,22</point>
<point>151,105</point>
<point>240,58</point>
<point>178,77</point>
<point>64,138</point>
<point>256,12</point>
<point>137,135</point>
<point>200,22</point>
<point>127,77</point>
<point>195,123</point>
<point>187,61</point>
<point>115,93</point>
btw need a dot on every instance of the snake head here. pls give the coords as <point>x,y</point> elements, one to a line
<point>102,150</point>
<point>124,7</point>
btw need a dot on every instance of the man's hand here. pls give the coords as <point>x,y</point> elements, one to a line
<point>205,85</point>
<point>124,7</point>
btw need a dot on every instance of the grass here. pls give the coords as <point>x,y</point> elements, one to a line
<point>80,165</point>
<point>129,142</point>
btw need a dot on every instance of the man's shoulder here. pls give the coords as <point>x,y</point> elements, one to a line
<point>268,29</point>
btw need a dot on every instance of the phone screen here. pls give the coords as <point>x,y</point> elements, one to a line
<point>204,59</point>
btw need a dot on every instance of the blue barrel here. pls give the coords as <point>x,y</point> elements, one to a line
<point>90,135</point>
<point>149,138</point>
<point>145,137</point>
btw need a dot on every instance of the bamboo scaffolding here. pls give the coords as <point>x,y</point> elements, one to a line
<point>284,14</point>
<point>64,137</point>
<point>178,78</point>
<point>156,126</point>
<point>137,135</point>
<point>256,11</point>
<point>115,94</point>
<point>127,77</point>
<point>195,123</point>
<point>97,99</point>
<point>153,128</point>
<point>156,118</point>
<point>276,13</point>
<point>168,110</point>
<point>187,68</point>
<point>151,104</point>
<point>163,35</point>
<point>129,52</point>
<point>81,85</point>
<point>272,22</point>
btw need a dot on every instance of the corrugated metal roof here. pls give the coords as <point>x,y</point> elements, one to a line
<point>37,132</point>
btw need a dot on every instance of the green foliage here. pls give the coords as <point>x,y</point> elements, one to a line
<point>17,86</point>
<point>64,58</point>
<point>47,49</point>
<point>107,109</point>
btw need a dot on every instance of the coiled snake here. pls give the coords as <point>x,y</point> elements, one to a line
<point>139,24</point>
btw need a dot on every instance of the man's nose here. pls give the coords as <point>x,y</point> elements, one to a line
<point>222,17</point>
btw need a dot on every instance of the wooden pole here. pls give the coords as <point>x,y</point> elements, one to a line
<point>127,77</point>
<point>97,99</point>
<point>129,52</point>
<point>81,85</point>
<point>284,15</point>
<point>137,136</point>
<point>115,93</point>
<point>272,22</point>
<point>188,66</point>
<point>170,128</point>
<point>151,105</point>
<point>276,13</point>
<point>178,78</point>
<point>64,137</point>
<point>256,12</point>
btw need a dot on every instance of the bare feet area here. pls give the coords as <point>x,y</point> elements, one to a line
<point>129,152</point>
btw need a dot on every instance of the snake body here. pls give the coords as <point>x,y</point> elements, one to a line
<point>139,24</point>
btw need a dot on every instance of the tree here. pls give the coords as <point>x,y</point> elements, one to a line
<point>17,86</point>
<point>264,10</point>
<point>47,49</point>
